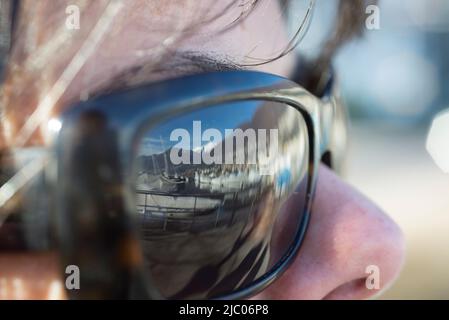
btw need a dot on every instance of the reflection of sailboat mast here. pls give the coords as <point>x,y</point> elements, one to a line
<point>155,165</point>
<point>165,156</point>
<point>167,172</point>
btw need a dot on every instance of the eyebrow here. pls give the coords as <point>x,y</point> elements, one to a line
<point>178,64</point>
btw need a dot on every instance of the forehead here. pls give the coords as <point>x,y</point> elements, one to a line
<point>46,23</point>
<point>138,31</point>
<point>117,35</point>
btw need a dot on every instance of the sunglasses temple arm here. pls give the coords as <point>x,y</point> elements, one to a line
<point>326,126</point>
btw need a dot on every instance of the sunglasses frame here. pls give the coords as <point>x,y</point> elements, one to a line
<point>147,106</point>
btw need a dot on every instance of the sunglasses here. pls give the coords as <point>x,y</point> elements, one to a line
<point>198,187</point>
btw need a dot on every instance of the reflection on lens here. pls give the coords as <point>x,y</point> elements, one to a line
<point>220,195</point>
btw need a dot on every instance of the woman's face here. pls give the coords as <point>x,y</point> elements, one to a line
<point>151,40</point>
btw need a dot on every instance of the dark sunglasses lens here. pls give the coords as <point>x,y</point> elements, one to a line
<point>221,193</point>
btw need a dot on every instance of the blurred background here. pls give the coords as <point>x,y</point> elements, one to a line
<point>395,81</point>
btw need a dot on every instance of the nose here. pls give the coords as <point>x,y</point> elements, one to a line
<point>352,250</point>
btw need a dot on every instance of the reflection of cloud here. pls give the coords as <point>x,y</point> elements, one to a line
<point>150,145</point>
<point>207,146</point>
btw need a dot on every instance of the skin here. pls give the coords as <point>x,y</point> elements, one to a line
<point>347,232</point>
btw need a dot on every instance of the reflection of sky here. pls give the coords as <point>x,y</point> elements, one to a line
<point>221,117</point>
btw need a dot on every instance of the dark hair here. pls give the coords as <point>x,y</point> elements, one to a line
<point>350,24</point>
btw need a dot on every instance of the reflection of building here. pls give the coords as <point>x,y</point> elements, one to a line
<point>206,203</point>
<point>227,180</point>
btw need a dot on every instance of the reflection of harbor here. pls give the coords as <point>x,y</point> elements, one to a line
<point>185,196</point>
<point>195,197</point>
<point>219,219</point>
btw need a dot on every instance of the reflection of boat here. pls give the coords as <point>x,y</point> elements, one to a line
<point>175,179</point>
<point>228,180</point>
<point>180,212</point>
